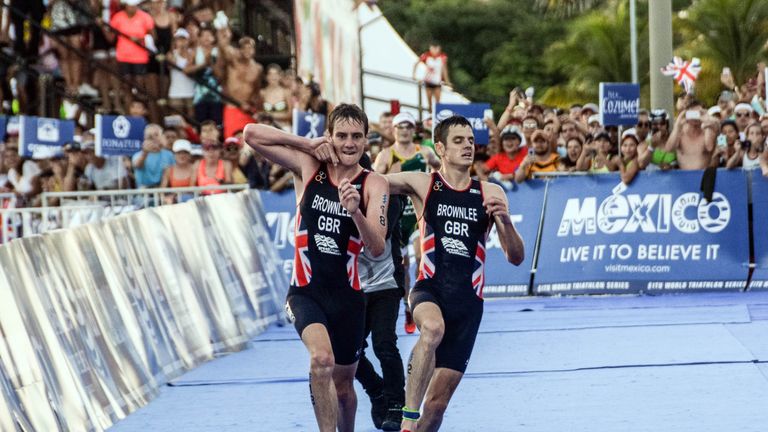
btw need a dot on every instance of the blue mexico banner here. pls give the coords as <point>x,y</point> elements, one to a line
<point>119,135</point>
<point>619,104</point>
<point>280,209</point>
<point>308,124</point>
<point>474,112</point>
<point>503,279</point>
<point>659,235</point>
<point>760,230</point>
<point>44,137</point>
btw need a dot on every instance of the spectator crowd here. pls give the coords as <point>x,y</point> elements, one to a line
<point>178,64</point>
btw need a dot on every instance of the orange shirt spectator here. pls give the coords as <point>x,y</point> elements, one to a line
<point>136,26</point>
<point>502,163</point>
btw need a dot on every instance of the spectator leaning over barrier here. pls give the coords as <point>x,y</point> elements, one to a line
<point>574,146</point>
<point>502,166</point>
<point>75,179</point>
<point>231,153</point>
<point>656,157</point>
<point>212,170</point>
<point>743,113</point>
<point>643,127</point>
<point>596,158</point>
<point>543,158</point>
<point>693,138</point>
<point>150,162</point>
<point>747,154</point>
<point>726,144</point>
<point>627,161</point>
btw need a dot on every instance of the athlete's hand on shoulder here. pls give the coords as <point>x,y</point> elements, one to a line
<point>496,206</point>
<point>323,151</point>
<point>349,196</point>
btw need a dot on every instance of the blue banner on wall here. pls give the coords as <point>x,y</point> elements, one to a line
<point>308,124</point>
<point>44,137</point>
<point>657,236</point>
<point>619,104</point>
<point>280,209</point>
<point>474,112</point>
<point>503,279</point>
<point>119,135</point>
<point>760,230</point>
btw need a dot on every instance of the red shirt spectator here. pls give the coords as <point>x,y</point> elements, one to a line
<point>512,155</point>
<point>136,26</point>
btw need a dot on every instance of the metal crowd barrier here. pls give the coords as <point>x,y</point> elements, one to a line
<point>142,198</point>
<point>20,222</point>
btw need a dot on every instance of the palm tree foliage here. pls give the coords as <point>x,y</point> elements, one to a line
<point>730,33</point>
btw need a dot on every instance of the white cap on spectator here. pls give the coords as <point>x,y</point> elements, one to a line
<point>593,118</point>
<point>514,130</point>
<point>131,2</point>
<point>182,145</point>
<point>591,107</point>
<point>631,132</point>
<point>404,117</point>
<point>714,110</point>
<point>743,107</point>
<point>181,33</point>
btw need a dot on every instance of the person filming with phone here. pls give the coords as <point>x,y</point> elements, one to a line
<point>540,159</point>
<point>747,154</point>
<point>693,137</point>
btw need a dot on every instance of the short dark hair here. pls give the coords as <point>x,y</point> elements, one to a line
<point>441,131</point>
<point>349,112</point>
<point>209,123</point>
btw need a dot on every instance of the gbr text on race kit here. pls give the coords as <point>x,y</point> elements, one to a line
<point>643,214</point>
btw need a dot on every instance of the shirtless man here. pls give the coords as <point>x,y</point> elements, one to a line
<point>693,138</point>
<point>242,80</point>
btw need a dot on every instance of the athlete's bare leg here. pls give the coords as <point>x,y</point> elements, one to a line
<point>429,320</point>
<point>430,94</point>
<point>321,372</point>
<point>343,378</point>
<point>441,388</point>
<point>438,91</point>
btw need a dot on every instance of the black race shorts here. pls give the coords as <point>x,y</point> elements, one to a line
<point>462,321</point>
<point>340,310</point>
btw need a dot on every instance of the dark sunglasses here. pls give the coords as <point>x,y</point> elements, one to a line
<point>643,124</point>
<point>742,114</point>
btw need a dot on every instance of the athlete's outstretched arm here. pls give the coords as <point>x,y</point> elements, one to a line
<point>496,207</point>
<point>373,225</point>
<point>286,149</point>
<point>409,183</point>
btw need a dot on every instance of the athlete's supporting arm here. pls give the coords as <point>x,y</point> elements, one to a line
<point>373,225</point>
<point>289,150</point>
<point>410,183</point>
<point>496,207</point>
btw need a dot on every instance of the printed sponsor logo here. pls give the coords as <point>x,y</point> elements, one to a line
<point>455,246</point>
<point>327,245</point>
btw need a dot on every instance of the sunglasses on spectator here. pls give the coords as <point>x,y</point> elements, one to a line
<point>643,124</point>
<point>404,126</point>
<point>742,114</point>
<point>209,147</point>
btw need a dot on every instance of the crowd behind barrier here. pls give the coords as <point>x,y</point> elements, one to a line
<point>584,235</point>
<point>96,318</point>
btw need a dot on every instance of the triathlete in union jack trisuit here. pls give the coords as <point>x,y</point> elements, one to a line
<point>341,208</point>
<point>447,301</point>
